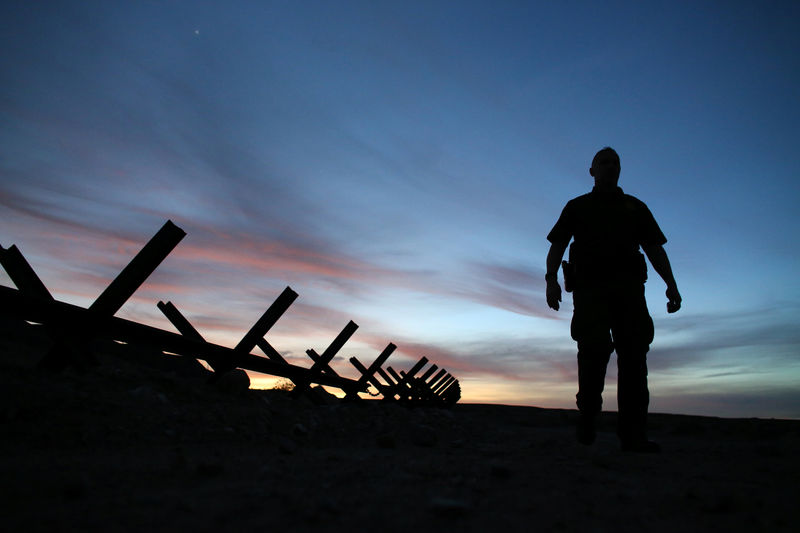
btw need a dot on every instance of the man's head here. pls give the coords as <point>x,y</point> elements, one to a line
<point>605,168</point>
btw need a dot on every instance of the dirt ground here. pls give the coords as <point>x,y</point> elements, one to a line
<point>137,445</point>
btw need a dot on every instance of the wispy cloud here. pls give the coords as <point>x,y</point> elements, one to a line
<point>697,340</point>
<point>398,168</point>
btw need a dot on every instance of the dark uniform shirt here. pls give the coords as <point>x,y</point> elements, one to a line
<point>608,228</point>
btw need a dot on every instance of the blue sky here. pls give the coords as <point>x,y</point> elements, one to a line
<point>400,164</point>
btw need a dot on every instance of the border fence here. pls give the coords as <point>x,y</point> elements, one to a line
<point>72,327</point>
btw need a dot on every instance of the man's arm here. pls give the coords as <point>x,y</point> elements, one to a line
<point>658,258</point>
<point>554,257</point>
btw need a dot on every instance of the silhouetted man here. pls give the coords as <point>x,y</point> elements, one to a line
<point>606,274</point>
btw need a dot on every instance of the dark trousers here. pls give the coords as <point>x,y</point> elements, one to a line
<point>606,319</point>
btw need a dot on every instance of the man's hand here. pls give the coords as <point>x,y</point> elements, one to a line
<point>553,294</point>
<point>673,297</point>
<point>658,258</point>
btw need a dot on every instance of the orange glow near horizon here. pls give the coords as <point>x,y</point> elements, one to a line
<point>473,390</point>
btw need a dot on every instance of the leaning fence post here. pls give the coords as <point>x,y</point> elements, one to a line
<point>22,274</point>
<point>254,337</point>
<point>392,385</point>
<point>29,283</point>
<point>428,373</point>
<point>267,320</point>
<point>183,326</point>
<point>138,270</point>
<point>385,390</point>
<point>322,362</point>
<point>444,384</point>
<point>439,376</point>
<point>118,292</point>
<point>404,386</point>
<point>367,374</point>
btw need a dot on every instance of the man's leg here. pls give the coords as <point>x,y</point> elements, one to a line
<point>633,333</point>
<point>591,329</point>
<point>592,363</point>
<point>633,396</point>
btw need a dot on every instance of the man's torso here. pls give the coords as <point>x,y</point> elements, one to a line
<point>608,228</point>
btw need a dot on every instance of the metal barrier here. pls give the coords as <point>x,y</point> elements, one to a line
<point>72,328</point>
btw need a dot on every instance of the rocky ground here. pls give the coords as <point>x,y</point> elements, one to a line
<point>140,443</point>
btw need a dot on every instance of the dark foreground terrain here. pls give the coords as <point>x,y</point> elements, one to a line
<point>125,446</point>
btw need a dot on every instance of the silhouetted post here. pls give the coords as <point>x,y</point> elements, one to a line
<point>397,378</point>
<point>440,383</point>
<point>118,291</point>
<point>447,390</point>
<point>267,320</point>
<point>428,373</point>
<point>254,337</point>
<point>184,327</point>
<point>138,270</point>
<point>385,390</point>
<point>271,352</point>
<point>29,284</point>
<point>420,384</point>
<point>179,321</point>
<point>368,373</point>
<point>451,393</point>
<point>444,384</point>
<point>435,380</point>
<point>321,362</point>
<point>392,385</point>
<point>22,274</point>
<point>262,326</point>
<point>420,390</point>
<point>403,383</point>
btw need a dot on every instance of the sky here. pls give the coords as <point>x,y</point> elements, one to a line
<point>399,164</point>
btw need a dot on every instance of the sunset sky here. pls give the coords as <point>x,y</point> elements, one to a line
<point>400,164</point>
